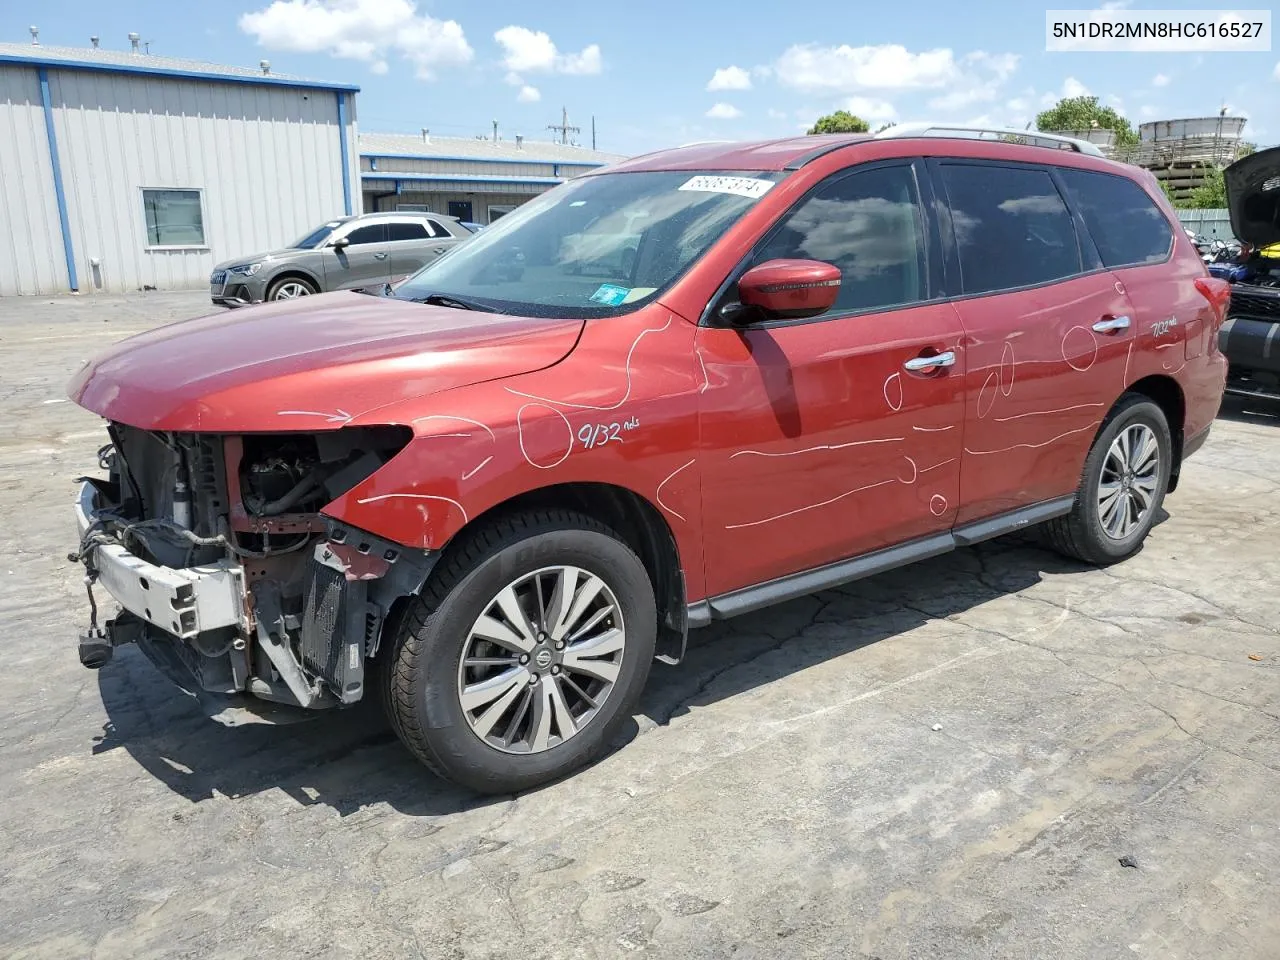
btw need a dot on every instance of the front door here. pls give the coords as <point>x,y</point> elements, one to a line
<point>462,210</point>
<point>826,438</point>
<point>363,262</point>
<point>1047,335</point>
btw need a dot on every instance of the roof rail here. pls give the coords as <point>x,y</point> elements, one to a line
<point>1032,138</point>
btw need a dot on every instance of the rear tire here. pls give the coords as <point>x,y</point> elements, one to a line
<point>540,695</point>
<point>1121,488</point>
<point>290,288</point>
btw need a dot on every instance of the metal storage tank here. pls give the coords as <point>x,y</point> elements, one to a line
<point>125,171</point>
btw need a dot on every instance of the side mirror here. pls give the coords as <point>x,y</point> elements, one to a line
<point>340,244</point>
<point>790,289</point>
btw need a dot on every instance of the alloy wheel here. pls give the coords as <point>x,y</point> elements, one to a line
<point>1130,479</point>
<point>541,659</point>
<point>292,290</point>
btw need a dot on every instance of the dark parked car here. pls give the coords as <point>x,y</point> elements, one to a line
<point>343,254</point>
<point>1251,336</point>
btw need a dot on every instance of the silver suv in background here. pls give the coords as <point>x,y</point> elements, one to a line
<point>342,254</point>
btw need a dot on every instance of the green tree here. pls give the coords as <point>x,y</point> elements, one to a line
<point>1212,193</point>
<point>842,121</point>
<point>1084,113</point>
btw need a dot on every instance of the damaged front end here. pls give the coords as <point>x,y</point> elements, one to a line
<point>230,578</point>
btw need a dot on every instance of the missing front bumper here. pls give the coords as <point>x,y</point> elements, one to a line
<point>304,642</point>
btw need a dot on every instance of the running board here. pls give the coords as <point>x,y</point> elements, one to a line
<point>759,596</point>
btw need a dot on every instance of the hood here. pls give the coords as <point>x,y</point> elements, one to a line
<point>268,256</point>
<point>1253,197</point>
<point>314,363</point>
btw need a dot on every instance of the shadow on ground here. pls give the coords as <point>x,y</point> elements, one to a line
<point>351,759</point>
<point>1250,410</point>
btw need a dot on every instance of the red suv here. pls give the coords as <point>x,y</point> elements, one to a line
<point>680,389</point>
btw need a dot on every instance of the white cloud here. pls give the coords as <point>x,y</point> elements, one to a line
<point>1019,104</point>
<point>1071,87</point>
<point>845,69</point>
<point>1117,4</point>
<point>1162,79</point>
<point>1116,102</point>
<point>1276,73</point>
<point>379,67</point>
<point>871,109</point>
<point>533,51</point>
<point>1147,112</point>
<point>360,30</point>
<point>730,78</point>
<point>528,94</point>
<point>724,111</point>
<point>777,114</point>
<point>982,76</point>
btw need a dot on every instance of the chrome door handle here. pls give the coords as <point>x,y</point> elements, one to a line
<point>917,364</point>
<point>1111,324</point>
<point>379,256</point>
<point>439,250</point>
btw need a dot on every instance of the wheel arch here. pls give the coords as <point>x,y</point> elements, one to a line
<point>1166,393</point>
<point>292,272</point>
<point>641,526</point>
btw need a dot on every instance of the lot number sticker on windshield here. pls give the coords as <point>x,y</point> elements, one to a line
<point>610,295</point>
<point>750,187</point>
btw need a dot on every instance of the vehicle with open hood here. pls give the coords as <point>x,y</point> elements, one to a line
<point>674,391</point>
<point>1253,324</point>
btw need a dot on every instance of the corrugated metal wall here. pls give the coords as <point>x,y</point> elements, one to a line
<point>266,159</point>
<point>439,202</point>
<point>1212,223</point>
<point>31,258</point>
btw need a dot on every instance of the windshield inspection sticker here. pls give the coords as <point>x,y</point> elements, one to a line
<point>749,187</point>
<point>610,295</point>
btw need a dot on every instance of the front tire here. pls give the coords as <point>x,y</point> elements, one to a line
<point>290,288</point>
<point>525,653</point>
<point>1122,486</point>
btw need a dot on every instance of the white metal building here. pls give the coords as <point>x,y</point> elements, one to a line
<point>474,179</point>
<point>120,170</point>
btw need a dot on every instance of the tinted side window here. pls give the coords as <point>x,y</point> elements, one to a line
<point>407,231</point>
<point>1012,227</point>
<point>867,224</point>
<point>438,230</point>
<point>375,233</point>
<point>1125,223</point>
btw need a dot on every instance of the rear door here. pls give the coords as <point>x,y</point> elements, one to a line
<point>415,242</point>
<point>1047,329</point>
<point>1135,241</point>
<point>364,261</point>
<point>826,438</point>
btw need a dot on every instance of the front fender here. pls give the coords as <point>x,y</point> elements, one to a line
<point>620,410</point>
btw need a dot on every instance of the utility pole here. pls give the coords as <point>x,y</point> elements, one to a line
<point>563,126</point>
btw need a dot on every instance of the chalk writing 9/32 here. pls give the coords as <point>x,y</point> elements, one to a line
<point>592,435</point>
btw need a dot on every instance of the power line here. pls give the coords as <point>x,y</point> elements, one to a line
<point>563,126</point>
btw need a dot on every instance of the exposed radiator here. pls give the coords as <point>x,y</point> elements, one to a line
<point>332,640</point>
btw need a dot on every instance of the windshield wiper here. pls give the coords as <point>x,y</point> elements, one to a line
<point>444,300</point>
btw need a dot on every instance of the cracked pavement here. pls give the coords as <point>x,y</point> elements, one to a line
<point>782,793</point>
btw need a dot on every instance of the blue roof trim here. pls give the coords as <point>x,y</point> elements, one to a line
<point>264,80</point>
<point>420,156</point>
<point>390,177</point>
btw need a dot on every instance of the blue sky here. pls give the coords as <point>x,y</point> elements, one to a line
<point>662,72</point>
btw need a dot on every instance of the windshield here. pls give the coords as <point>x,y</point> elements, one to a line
<point>316,237</point>
<point>595,246</point>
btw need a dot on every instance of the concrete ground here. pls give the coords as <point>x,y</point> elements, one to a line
<point>948,761</point>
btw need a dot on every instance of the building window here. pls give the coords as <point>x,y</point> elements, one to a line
<point>174,218</point>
